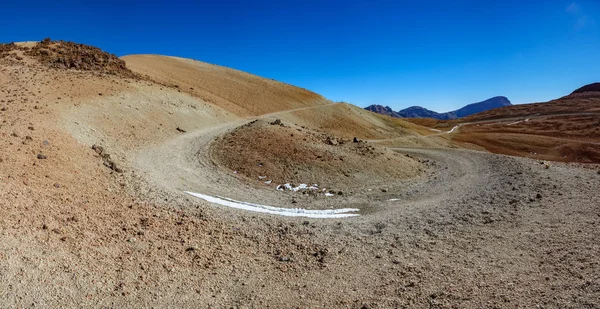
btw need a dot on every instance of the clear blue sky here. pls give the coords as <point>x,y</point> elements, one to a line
<point>437,54</point>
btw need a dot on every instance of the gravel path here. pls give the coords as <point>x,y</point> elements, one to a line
<point>479,230</point>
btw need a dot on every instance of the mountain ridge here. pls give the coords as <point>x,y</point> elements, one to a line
<point>421,112</point>
<point>594,87</point>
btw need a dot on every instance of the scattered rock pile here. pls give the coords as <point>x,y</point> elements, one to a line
<point>333,141</point>
<point>69,55</point>
<point>7,49</point>
<point>108,162</point>
<point>276,122</point>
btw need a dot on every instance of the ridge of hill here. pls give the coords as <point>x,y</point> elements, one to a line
<point>383,110</point>
<point>594,87</point>
<point>240,93</point>
<point>67,55</point>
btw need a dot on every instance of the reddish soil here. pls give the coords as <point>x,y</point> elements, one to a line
<point>291,154</point>
<point>566,129</point>
<point>588,102</point>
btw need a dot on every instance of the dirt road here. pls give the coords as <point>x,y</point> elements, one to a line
<point>480,230</point>
<point>472,233</point>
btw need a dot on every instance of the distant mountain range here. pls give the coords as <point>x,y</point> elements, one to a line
<point>421,112</point>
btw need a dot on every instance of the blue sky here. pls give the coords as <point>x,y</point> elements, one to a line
<point>435,54</point>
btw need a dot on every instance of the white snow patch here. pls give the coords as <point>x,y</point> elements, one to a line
<point>394,199</point>
<point>288,212</point>
<point>329,194</point>
<point>301,186</point>
<point>435,130</point>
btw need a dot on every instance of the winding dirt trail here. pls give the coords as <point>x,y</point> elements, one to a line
<point>184,164</point>
<point>466,232</point>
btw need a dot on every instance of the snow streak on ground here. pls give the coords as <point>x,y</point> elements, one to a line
<point>288,212</point>
<point>302,186</point>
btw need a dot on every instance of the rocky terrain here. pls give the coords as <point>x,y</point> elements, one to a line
<point>94,165</point>
<point>68,55</point>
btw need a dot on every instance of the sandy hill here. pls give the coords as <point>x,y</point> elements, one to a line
<point>247,95</point>
<point>238,92</point>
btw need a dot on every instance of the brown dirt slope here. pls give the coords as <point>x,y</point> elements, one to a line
<point>566,129</point>
<point>571,104</point>
<point>238,92</point>
<point>245,95</point>
<point>286,153</point>
<point>346,120</point>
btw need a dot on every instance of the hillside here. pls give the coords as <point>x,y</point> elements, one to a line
<point>238,92</point>
<point>595,87</point>
<point>421,112</point>
<point>565,129</point>
<point>575,103</point>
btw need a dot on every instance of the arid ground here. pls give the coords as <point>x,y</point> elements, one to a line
<point>97,152</point>
<point>566,129</point>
